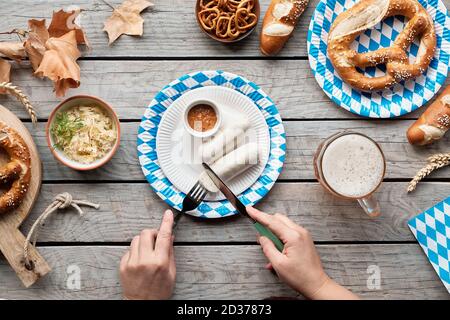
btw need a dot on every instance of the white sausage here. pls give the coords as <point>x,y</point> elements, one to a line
<point>230,166</point>
<point>226,140</point>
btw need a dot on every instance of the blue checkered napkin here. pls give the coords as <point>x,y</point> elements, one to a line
<point>146,142</point>
<point>432,230</point>
<point>402,98</point>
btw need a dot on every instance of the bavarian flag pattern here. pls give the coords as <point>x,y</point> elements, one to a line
<point>432,230</point>
<point>148,130</point>
<point>398,100</point>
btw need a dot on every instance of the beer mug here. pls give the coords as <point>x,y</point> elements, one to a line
<point>352,166</point>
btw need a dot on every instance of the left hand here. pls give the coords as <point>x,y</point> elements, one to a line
<point>147,270</point>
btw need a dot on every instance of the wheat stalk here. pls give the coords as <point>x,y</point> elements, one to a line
<point>435,162</point>
<point>439,158</point>
<point>16,92</point>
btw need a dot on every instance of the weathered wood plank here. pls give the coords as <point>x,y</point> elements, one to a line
<point>123,214</point>
<point>233,272</point>
<point>170,29</point>
<point>130,86</point>
<point>302,141</point>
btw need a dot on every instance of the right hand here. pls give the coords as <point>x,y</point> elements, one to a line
<point>299,264</point>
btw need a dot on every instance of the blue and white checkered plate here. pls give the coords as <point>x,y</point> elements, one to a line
<point>403,97</point>
<point>148,132</point>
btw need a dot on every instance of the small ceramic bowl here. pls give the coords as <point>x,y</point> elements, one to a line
<point>76,101</point>
<point>204,134</point>
<point>257,12</point>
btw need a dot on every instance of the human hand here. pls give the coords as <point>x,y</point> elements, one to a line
<point>147,270</point>
<point>299,264</point>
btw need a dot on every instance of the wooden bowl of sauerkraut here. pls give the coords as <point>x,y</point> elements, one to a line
<point>83,132</point>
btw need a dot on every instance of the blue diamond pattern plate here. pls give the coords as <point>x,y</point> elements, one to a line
<point>403,97</point>
<point>146,142</point>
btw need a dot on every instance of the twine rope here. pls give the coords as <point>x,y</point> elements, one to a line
<point>60,202</point>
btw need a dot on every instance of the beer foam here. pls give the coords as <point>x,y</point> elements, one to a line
<point>353,166</point>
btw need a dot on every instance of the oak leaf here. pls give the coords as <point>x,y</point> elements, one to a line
<point>126,19</point>
<point>12,50</point>
<point>5,71</point>
<point>59,63</point>
<point>63,22</point>
<point>35,43</point>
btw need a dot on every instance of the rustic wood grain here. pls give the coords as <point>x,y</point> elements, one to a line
<point>11,240</point>
<point>170,30</point>
<point>233,272</point>
<point>128,74</point>
<point>303,138</point>
<point>127,209</point>
<point>129,86</point>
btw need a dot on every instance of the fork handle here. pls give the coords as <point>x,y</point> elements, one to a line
<point>178,216</point>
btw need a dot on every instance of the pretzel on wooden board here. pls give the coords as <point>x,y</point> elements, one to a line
<point>16,174</point>
<point>433,123</point>
<point>279,22</point>
<point>365,15</point>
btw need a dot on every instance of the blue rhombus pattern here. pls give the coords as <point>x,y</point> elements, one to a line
<point>148,130</point>
<point>402,98</point>
<point>432,230</point>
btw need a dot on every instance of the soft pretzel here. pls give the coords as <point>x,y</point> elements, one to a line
<point>433,123</point>
<point>279,23</point>
<point>227,19</point>
<point>16,174</point>
<point>365,15</point>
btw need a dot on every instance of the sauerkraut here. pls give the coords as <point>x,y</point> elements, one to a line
<point>84,133</point>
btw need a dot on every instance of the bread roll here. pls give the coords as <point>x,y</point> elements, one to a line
<point>279,23</point>
<point>433,123</point>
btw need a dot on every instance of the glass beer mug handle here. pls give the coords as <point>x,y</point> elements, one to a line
<point>370,206</point>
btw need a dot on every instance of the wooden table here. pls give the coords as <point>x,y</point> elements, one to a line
<point>217,259</point>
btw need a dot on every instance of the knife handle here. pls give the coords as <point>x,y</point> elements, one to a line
<point>263,231</point>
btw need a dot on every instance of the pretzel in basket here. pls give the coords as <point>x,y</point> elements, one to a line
<point>16,174</point>
<point>365,15</point>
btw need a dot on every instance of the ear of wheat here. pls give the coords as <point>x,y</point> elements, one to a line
<point>16,92</point>
<point>435,162</point>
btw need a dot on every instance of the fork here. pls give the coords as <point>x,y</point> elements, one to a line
<point>192,200</point>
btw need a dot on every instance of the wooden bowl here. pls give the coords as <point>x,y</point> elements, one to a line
<point>257,11</point>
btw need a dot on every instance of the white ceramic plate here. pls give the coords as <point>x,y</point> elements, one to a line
<point>175,148</point>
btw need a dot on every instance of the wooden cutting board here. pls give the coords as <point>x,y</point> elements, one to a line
<point>11,239</point>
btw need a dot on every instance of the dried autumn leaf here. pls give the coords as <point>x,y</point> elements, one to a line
<point>12,50</point>
<point>63,22</point>
<point>59,63</point>
<point>126,19</point>
<point>35,43</point>
<point>5,72</point>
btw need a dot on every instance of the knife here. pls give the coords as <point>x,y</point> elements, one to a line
<point>240,207</point>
